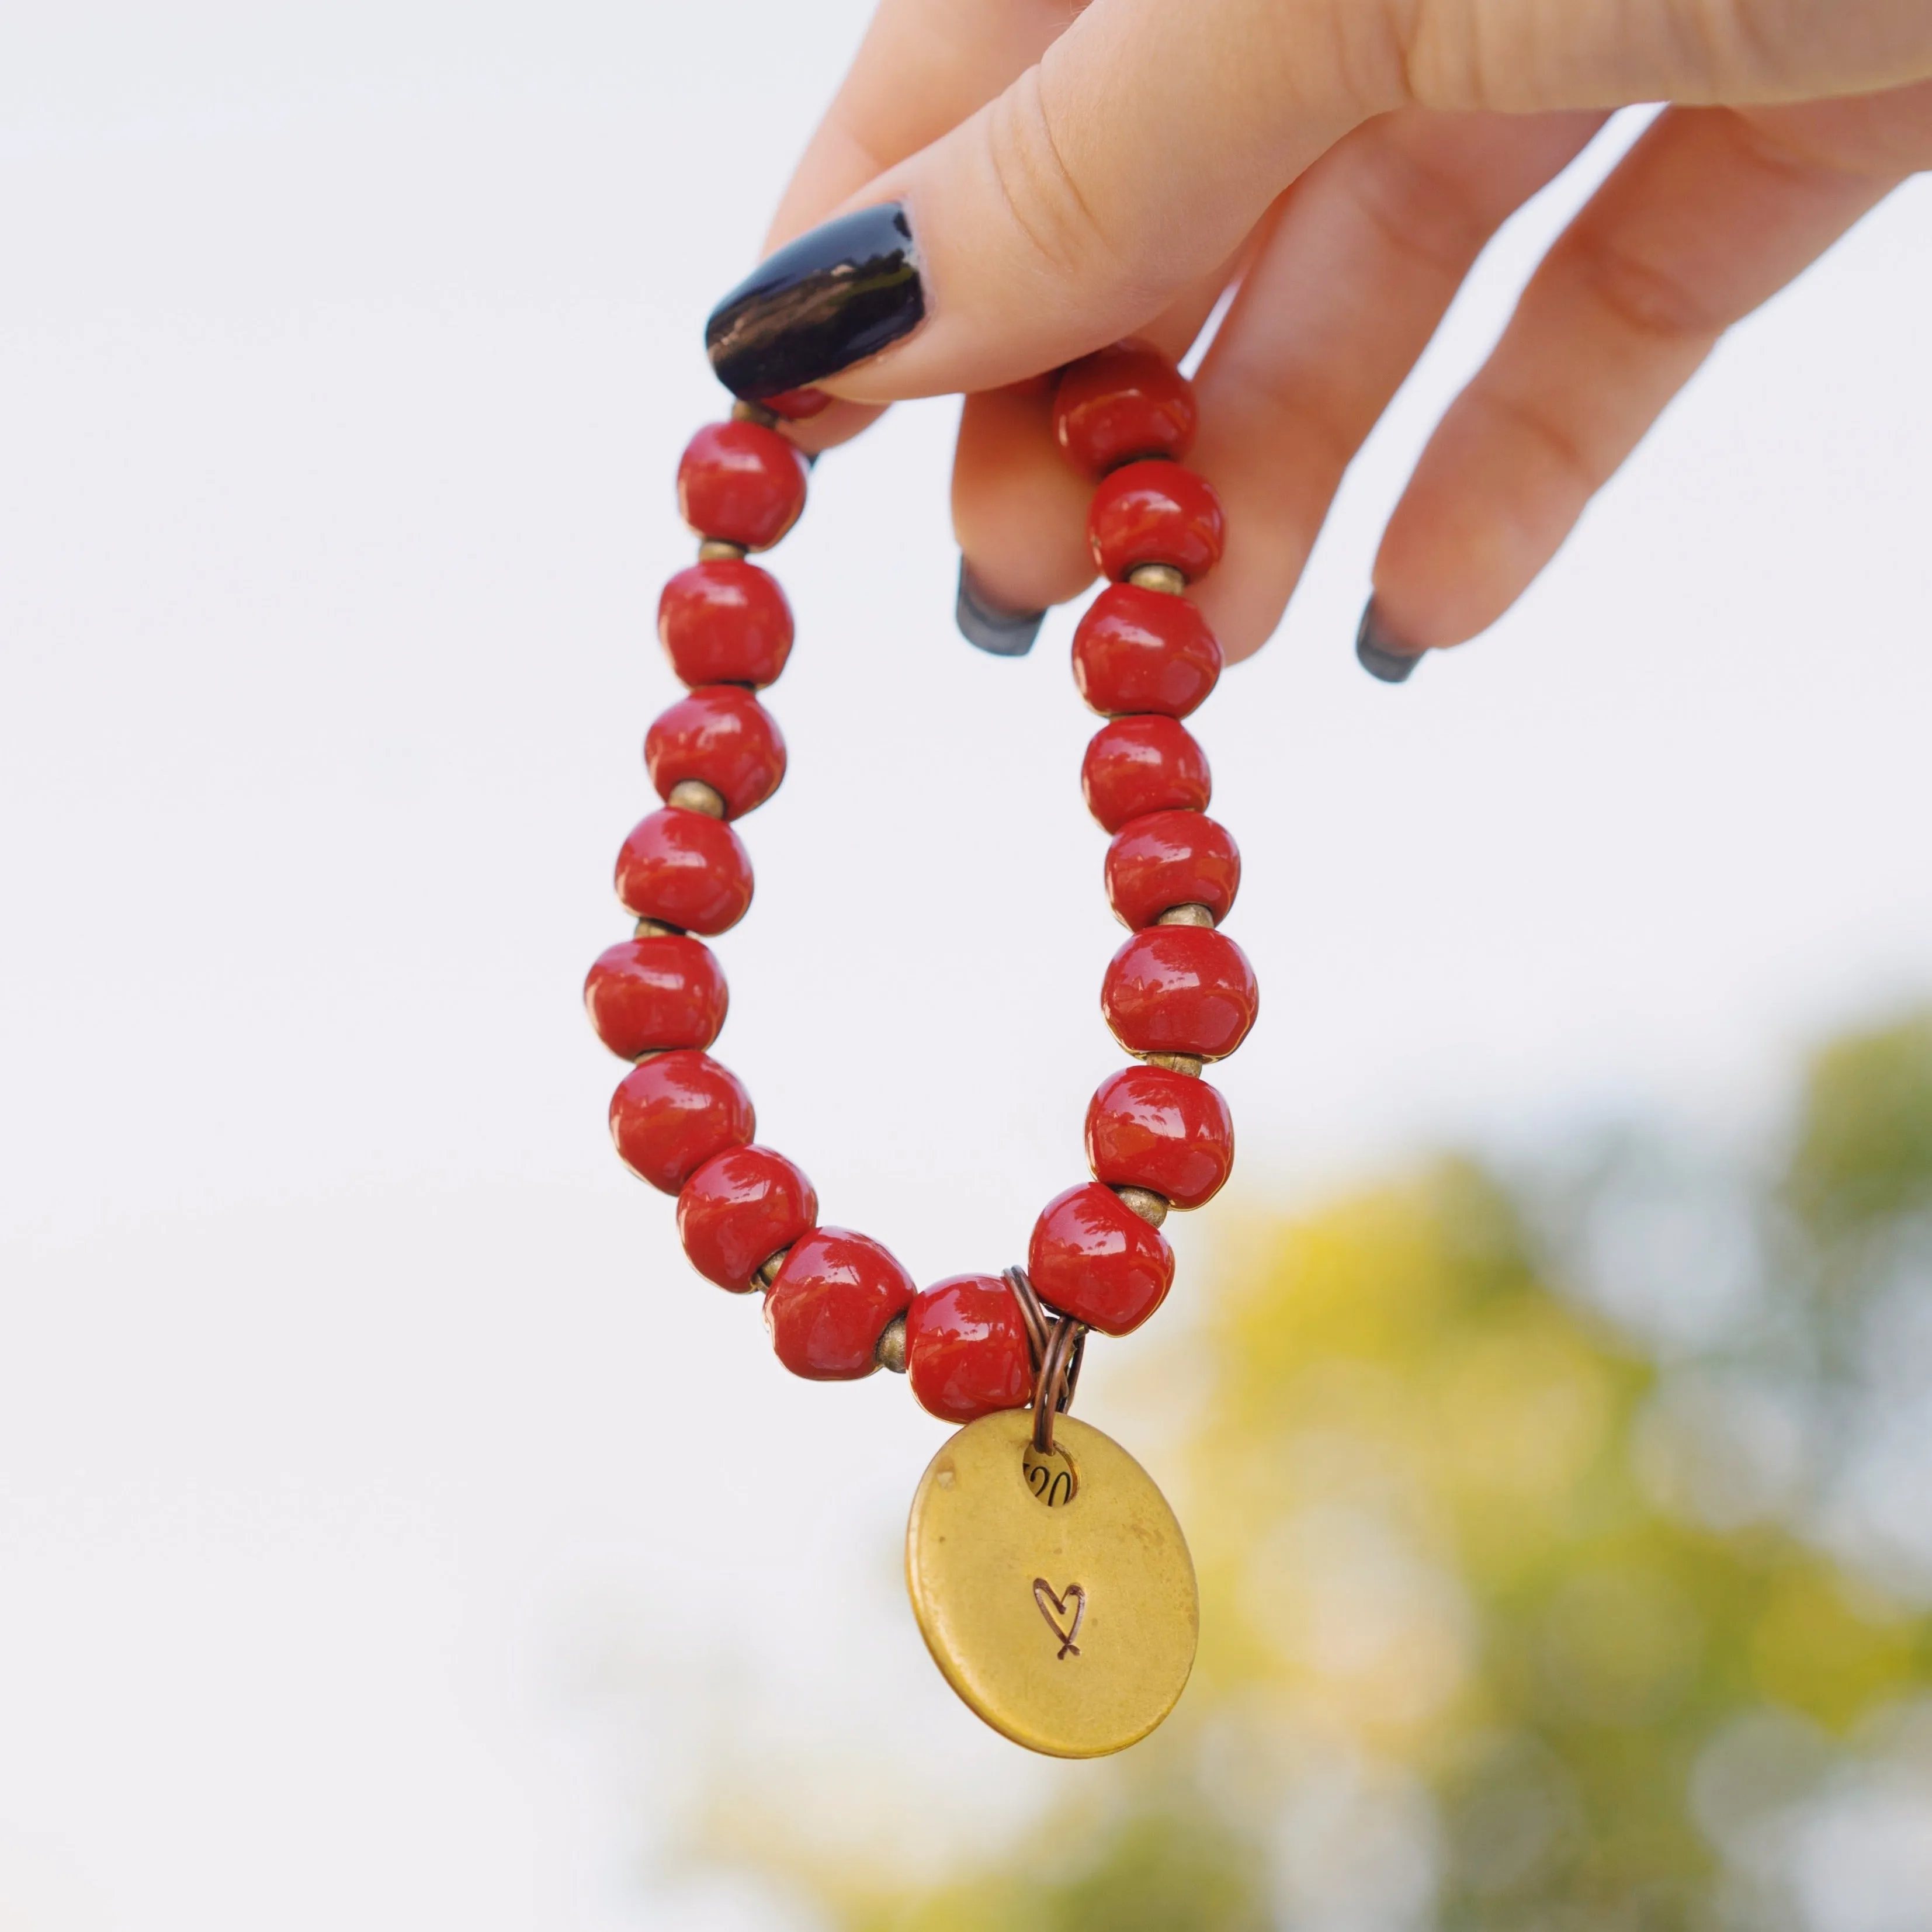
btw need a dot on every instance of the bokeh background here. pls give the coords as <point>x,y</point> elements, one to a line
<point>394,1532</point>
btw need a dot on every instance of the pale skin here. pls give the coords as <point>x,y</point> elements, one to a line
<point>1079,174</point>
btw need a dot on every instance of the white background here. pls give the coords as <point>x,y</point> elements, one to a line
<point>392,1527</point>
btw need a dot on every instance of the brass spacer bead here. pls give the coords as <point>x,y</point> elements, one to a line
<point>720,550</point>
<point>768,1269</point>
<point>1189,1063</point>
<point>1157,577</point>
<point>656,928</point>
<point>694,795</point>
<point>892,1349</point>
<point>1186,915</point>
<point>744,411</point>
<point>1150,1206</point>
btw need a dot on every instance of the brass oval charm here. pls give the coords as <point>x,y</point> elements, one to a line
<point>1068,1622</point>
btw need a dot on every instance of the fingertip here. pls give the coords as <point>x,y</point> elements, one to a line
<point>1378,652</point>
<point>1273,513</point>
<point>839,294</point>
<point>1005,634</point>
<point>1019,509</point>
<point>839,422</point>
<point>1481,516</point>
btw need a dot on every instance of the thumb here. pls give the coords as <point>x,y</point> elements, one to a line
<point>1067,212</point>
<point>1134,157</point>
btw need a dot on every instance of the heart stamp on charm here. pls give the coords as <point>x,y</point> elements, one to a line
<point>1043,1594</point>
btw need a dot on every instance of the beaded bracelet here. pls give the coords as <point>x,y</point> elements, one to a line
<point>1048,1576</point>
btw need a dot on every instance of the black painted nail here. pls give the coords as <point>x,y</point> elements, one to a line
<point>841,293</point>
<point>1007,634</point>
<point>1380,655</point>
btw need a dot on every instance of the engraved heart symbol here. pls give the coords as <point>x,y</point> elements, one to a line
<point>1043,1594</point>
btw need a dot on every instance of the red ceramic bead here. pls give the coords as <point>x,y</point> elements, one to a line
<point>647,995</point>
<point>1121,404</point>
<point>1147,1127</point>
<point>1143,650</point>
<point>725,621</point>
<point>672,1114</point>
<point>833,1299</point>
<point>966,1349</point>
<point>1180,989</point>
<point>1092,1257</point>
<point>722,734</point>
<point>1170,859</point>
<point>797,405</point>
<point>1156,513</point>
<point>1137,765</point>
<point>684,869</point>
<point>741,482</point>
<point>739,1209</point>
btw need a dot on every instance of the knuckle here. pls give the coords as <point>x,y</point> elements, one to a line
<point>1873,140</point>
<point>1037,186</point>
<point>1474,54</point>
<point>1531,419</point>
<point>1422,213</point>
<point>1643,296</point>
<point>1463,56</point>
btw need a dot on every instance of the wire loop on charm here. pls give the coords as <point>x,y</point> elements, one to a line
<point>1058,1344</point>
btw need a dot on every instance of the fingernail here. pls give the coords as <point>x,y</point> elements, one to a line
<point>841,293</point>
<point>1380,655</point>
<point>1007,634</point>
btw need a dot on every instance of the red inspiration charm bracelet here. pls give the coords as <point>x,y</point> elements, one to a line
<point>1049,1576</point>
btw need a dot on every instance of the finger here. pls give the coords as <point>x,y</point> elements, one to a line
<point>1342,288</point>
<point>1519,55</point>
<point>1019,509</point>
<point>1709,215</point>
<point>923,67</point>
<point>1364,255</point>
<point>1071,210</point>
<point>1148,139</point>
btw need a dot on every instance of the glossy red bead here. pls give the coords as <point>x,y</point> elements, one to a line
<point>966,1349</point>
<point>671,1115</point>
<point>1180,989</point>
<point>797,405</point>
<point>1134,766</point>
<point>741,482</point>
<point>725,621</point>
<point>739,1209</point>
<point>1143,650</point>
<point>722,734</point>
<point>1121,404</point>
<point>684,869</point>
<point>1147,1127</point>
<point>1167,858</point>
<point>1092,1257</point>
<point>831,1303</point>
<point>1156,513</point>
<point>647,995</point>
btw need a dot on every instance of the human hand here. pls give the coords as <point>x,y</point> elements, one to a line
<point>1068,179</point>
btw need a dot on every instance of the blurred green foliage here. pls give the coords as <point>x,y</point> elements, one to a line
<point>1865,1151</point>
<point>1509,1620</point>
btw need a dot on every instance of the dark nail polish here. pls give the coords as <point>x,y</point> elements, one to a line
<point>1007,634</point>
<point>1380,655</point>
<point>845,290</point>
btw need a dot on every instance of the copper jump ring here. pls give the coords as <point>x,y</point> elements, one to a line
<point>1057,1343</point>
<point>1035,1317</point>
